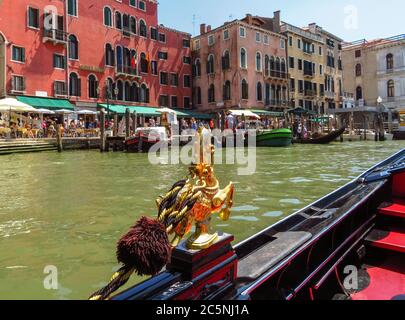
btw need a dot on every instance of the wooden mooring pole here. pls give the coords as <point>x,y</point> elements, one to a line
<point>127,123</point>
<point>59,137</point>
<point>102,130</point>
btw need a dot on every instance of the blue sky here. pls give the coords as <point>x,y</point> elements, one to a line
<point>362,19</point>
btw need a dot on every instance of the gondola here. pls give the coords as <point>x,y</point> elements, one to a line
<point>145,138</point>
<point>356,231</point>
<point>323,139</point>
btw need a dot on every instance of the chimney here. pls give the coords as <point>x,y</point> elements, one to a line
<point>312,27</point>
<point>249,19</point>
<point>276,21</point>
<point>208,28</point>
<point>202,28</point>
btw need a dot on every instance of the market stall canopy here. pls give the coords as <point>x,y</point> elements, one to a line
<point>121,109</point>
<point>47,103</point>
<point>246,113</point>
<point>11,104</point>
<point>64,111</point>
<point>188,114</point>
<point>44,111</point>
<point>86,112</point>
<point>268,113</point>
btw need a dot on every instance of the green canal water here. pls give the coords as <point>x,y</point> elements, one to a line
<point>68,210</point>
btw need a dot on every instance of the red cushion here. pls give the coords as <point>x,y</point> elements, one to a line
<point>398,185</point>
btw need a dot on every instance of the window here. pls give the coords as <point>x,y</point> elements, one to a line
<point>290,41</point>
<point>357,54</point>
<point>391,89</point>
<point>120,88</point>
<point>258,37</point>
<point>259,91</point>
<point>226,61</point>
<point>144,94</point>
<point>187,81</point>
<point>132,25</point>
<point>258,62</point>
<point>72,7</point>
<point>186,102</point>
<point>243,58</point>
<point>132,3</point>
<point>300,86</point>
<point>358,70</point>
<point>242,32</point>
<point>174,102</point>
<point>211,40</point>
<point>125,24</point>
<point>211,94</point>
<point>197,45</point>
<point>164,78</point>
<point>291,62</point>
<point>18,83</point>
<point>299,43</point>
<point>154,35</point>
<point>245,90</point>
<point>93,86</point>
<point>163,100</point>
<point>282,43</point>
<point>359,93</point>
<point>154,68</point>
<point>33,17</point>
<point>320,69</point>
<point>197,68</point>
<point>142,5</point>
<point>59,88</point>
<point>186,43</point>
<point>266,39</point>
<point>107,17</point>
<point>292,85</point>
<point>143,30</point>
<point>74,85</point>
<point>266,65</point>
<point>162,55</point>
<point>109,55</point>
<point>174,79</point>
<point>144,63</point>
<point>299,64</point>
<point>18,54</point>
<point>226,34</point>
<point>227,91</point>
<point>390,61</point>
<point>320,50</point>
<point>73,48</point>
<point>210,64</point>
<point>118,20</point>
<point>59,61</point>
<point>198,93</point>
<point>162,37</point>
<point>186,60</point>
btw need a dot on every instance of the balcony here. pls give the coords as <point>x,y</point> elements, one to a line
<point>127,71</point>
<point>55,36</point>
<point>309,93</point>
<point>126,32</point>
<point>274,74</point>
<point>329,95</point>
<point>308,74</point>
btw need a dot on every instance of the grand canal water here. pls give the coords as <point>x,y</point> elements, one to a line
<point>68,210</point>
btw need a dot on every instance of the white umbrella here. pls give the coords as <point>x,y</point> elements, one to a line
<point>45,111</point>
<point>246,113</point>
<point>11,104</point>
<point>166,110</point>
<point>86,112</point>
<point>64,111</point>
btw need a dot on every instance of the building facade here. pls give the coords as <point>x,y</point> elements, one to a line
<point>377,70</point>
<point>241,64</point>
<point>90,50</point>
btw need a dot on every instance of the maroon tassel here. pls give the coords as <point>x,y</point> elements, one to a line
<point>145,247</point>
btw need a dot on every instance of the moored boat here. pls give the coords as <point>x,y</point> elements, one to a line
<point>356,232</point>
<point>324,139</point>
<point>274,138</point>
<point>145,138</point>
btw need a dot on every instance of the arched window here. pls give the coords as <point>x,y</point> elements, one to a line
<point>133,25</point>
<point>143,30</point>
<point>109,55</point>
<point>266,65</point>
<point>73,47</point>
<point>120,88</point>
<point>134,92</point>
<point>197,68</point>
<point>110,88</point>
<point>258,61</point>
<point>245,90</point>
<point>120,67</point>
<point>227,91</point>
<point>127,58</point>
<point>125,22</point>
<point>226,61</point>
<point>359,93</point>
<point>211,94</point>
<point>127,91</point>
<point>278,65</point>
<point>283,67</point>
<point>391,89</point>
<point>210,64</point>
<point>118,20</point>
<point>259,91</point>
<point>390,61</point>
<point>74,85</point>
<point>93,86</point>
<point>107,17</point>
<point>272,64</point>
<point>243,58</point>
<point>358,70</point>
<point>144,94</point>
<point>144,63</point>
<point>267,94</point>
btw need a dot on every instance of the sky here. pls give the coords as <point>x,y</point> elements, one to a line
<point>348,19</point>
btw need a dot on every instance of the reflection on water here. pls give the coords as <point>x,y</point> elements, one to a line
<point>69,209</point>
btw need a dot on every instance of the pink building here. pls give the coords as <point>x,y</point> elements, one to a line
<point>241,64</point>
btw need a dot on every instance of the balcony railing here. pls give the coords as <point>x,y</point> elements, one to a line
<point>124,70</point>
<point>309,93</point>
<point>276,74</point>
<point>55,36</point>
<point>308,73</point>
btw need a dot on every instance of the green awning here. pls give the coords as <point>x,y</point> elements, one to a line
<point>261,112</point>
<point>46,103</point>
<point>192,114</point>
<point>121,109</point>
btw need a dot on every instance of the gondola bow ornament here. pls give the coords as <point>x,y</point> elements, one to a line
<point>146,248</point>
